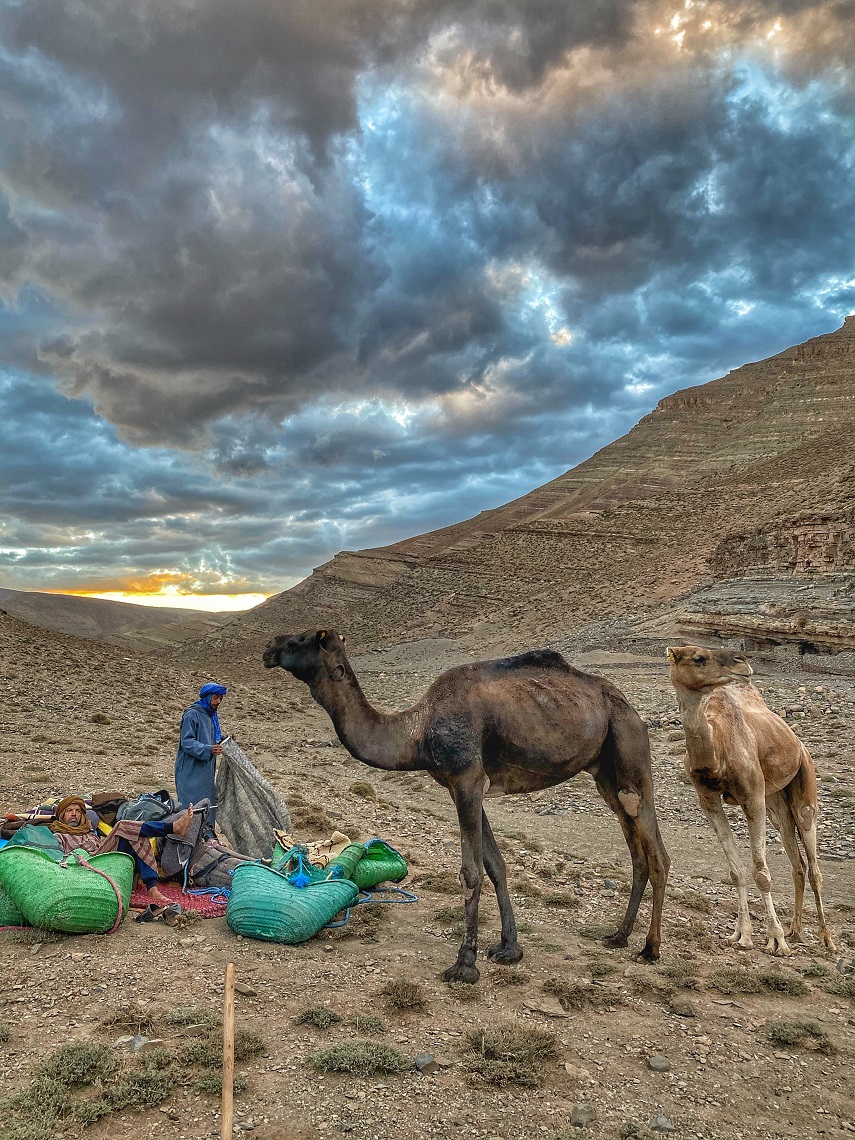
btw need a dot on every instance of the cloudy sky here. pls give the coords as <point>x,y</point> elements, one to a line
<point>282,277</point>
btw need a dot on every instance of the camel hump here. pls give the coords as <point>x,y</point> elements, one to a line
<point>531,659</point>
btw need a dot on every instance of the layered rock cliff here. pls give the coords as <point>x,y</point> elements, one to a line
<point>746,480</point>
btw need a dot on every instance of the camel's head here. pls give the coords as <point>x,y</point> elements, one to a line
<point>696,667</point>
<point>309,656</point>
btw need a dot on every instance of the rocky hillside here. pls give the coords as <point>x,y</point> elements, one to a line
<point>118,623</point>
<point>727,511</point>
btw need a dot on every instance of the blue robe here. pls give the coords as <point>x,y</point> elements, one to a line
<point>195,766</point>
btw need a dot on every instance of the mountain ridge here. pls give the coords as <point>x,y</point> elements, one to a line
<point>766,450</point>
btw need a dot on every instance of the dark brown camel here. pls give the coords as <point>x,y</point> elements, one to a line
<point>503,727</point>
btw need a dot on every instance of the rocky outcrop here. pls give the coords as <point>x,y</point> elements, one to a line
<point>750,476</point>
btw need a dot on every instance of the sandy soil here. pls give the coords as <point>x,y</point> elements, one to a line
<point>726,1078</point>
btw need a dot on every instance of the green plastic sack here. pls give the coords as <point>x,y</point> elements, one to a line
<point>380,863</point>
<point>265,904</point>
<point>67,897</point>
<point>348,859</point>
<point>9,913</point>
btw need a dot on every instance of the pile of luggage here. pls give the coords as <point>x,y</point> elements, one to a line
<point>292,899</point>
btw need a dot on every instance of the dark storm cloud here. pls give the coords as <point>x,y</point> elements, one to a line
<point>332,274</point>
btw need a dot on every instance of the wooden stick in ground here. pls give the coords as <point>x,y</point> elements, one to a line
<point>227,1108</point>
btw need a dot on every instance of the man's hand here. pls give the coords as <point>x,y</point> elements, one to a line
<point>216,749</point>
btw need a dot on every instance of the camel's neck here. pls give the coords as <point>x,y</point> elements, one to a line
<point>383,740</point>
<point>699,742</point>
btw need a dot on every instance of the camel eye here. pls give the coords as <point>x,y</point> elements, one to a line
<point>698,660</point>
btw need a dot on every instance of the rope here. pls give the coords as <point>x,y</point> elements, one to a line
<point>121,908</point>
<point>217,894</point>
<point>368,897</point>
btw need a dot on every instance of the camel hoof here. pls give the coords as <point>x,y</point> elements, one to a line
<point>740,941</point>
<point>458,973</point>
<point>828,942</point>
<point>650,953</point>
<point>794,935</point>
<point>504,955</point>
<point>778,946</point>
<point>616,941</point>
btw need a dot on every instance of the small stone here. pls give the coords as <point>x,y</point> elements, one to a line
<point>682,1007</point>
<point>426,1063</point>
<point>147,1044</point>
<point>659,1063</point>
<point>247,991</point>
<point>662,1124</point>
<point>582,1114</point>
<point>576,1072</point>
<point>610,885</point>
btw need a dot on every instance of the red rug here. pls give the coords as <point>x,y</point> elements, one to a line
<point>203,905</point>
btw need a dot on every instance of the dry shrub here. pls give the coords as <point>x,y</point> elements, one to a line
<point>403,995</point>
<point>464,993</point>
<point>130,1018</point>
<point>780,983</point>
<point>311,817</point>
<point>840,986</point>
<point>364,923</point>
<point>683,972</point>
<point>100,718</point>
<point>360,1059</point>
<point>526,888</point>
<point>507,1053</point>
<point>566,899</point>
<point>320,1016</point>
<point>799,1035</point>
<point>653,984</point>
<point>440,882</point>
<point>363,789</point>
<point>367,1023</point>
<point>575,993</point>
<point>733,980</point>
<point>509,976</point>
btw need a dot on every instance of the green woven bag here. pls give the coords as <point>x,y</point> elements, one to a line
<point>380,863</point>
<point>264,904</point>
<point>348,859</point>
<point>9,913</point>
<point>67,897</point>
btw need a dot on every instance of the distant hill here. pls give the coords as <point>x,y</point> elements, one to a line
<point>119,623</point>
<point>727,511</point>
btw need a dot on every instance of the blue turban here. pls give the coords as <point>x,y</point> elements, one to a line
<point>212,690</point>
<point>205,693</point>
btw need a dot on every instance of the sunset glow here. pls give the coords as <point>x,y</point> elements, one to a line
<point>171,598</point>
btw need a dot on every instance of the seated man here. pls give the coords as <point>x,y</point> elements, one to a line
<point>73,829</point>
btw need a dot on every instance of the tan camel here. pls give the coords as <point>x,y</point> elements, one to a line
<point>739,751</point>
<point>506,727</point>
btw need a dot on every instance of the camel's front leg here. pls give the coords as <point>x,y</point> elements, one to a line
<point>712,808</point>
<point>468,801</point>
<point>755,814</point>
<point>507,951</point>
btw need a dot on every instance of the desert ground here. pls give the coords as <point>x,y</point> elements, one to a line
<point>709,1042</point>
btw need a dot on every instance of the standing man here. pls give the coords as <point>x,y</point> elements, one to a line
<point>199,748</point>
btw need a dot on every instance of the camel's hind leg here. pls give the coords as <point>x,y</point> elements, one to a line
<point>507,951</point>
<point>801,797</point>
<point>627,787</point>
<point>779,812</point>
<point>755,814</point>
